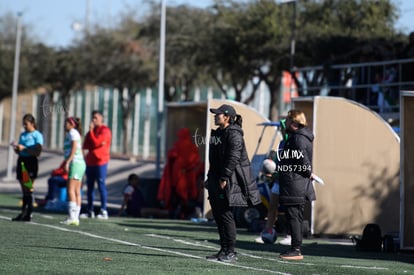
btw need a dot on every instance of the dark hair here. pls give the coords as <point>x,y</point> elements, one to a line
<point>97,112</point>
<point>30,118</point>
<point>133,176</point>
<point>78,123</point>
<point>237,120</point>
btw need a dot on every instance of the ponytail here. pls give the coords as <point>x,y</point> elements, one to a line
<point>78,125</point>
<point>237,120</point>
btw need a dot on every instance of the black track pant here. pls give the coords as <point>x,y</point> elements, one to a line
<point>223,215</point>
<point>294,216</point>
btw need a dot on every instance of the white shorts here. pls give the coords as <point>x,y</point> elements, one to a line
<point>275,188</point>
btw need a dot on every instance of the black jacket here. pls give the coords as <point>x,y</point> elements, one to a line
<point>296,168</point>
<point>229,161</point>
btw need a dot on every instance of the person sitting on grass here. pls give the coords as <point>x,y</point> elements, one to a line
<point>58,179</point>
<point>133,204</point>
<point>133,200</point>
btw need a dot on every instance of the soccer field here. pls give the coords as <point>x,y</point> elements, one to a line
<point>155,246</point>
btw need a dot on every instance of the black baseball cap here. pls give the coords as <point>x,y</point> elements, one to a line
<point>224,109</point>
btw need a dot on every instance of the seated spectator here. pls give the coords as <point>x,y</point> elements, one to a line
<point>178,190</point>
<point>133,204</point>
<point>58,179</point>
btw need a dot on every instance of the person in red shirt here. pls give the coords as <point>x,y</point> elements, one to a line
<point>97,144</point>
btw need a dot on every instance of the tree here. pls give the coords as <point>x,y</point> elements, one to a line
<point>118,60</point>
<point>68,73</point>
<point>186,28</point>
<point>252,39</point>
<point>249,42</point>
<point>342,28</point>
<point>42,63</point>
<point>28,76</point>
<point>338,32</point>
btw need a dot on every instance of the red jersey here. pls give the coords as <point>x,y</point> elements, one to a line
<point>98,144</point>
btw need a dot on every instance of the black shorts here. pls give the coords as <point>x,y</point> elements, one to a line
<point>31,164</point>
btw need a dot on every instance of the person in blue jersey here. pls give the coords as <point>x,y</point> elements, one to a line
<point>28,149</point>
<point>75,166</point>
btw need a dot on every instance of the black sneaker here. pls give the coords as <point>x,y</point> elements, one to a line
<point>18,218</point>
<point>27,218</point>
<point>229,257</point>
<point>293,254</point>
<point>216,256</point>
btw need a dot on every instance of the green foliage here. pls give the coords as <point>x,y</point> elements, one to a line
<point>41,60</point>
<point>252,38</point>
<point>364,19</point>
<point>118,59</point>
<point>68,70</point>
<point>245,39</point>
<point>229,44</point>
<point>31,57</point>
<point>187,31</point>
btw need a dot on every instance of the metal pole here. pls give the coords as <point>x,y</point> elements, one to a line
<point>292,49</point>
<point>14,96</point>
<point>293,37</point>
<point>161,87</point>
<point>87,15</point>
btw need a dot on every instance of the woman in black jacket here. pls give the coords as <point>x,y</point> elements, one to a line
<point>230,182</point>
<point>295,172</point>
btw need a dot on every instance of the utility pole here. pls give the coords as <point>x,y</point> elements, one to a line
<point>161,87</point>
<point>291,56</point>
<point>293,37</point>
<point>14,95</point>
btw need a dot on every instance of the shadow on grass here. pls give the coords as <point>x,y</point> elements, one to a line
<point>312,246</point>
<point>103,251</point>
<point>169,225</point>
<point>318,249</point>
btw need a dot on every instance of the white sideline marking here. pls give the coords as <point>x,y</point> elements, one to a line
<point>259,257</point>
<point>66,229</point>
<point>193,244</point>
<point>241,253</point>
<point>364,267</point>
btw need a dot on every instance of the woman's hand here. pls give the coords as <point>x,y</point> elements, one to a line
<point>19,147</point>
<point>66,166</point>
<point>223,184</point>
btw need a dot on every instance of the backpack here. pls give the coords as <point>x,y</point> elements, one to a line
<point>371,238</point>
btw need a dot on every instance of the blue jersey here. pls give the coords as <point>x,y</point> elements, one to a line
<point>29,140</point>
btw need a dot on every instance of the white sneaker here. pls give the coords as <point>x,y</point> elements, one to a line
<point>259,240</point>
<point>69,221</point>
<point>286,241</point>
<point>88,215</point>
<point>103,215</point>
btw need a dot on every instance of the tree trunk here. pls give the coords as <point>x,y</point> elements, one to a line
<point>125,139</point>
<point>126,103</point>
<point>274,89</point>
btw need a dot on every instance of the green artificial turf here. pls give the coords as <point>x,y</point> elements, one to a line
<point>156,246</point>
